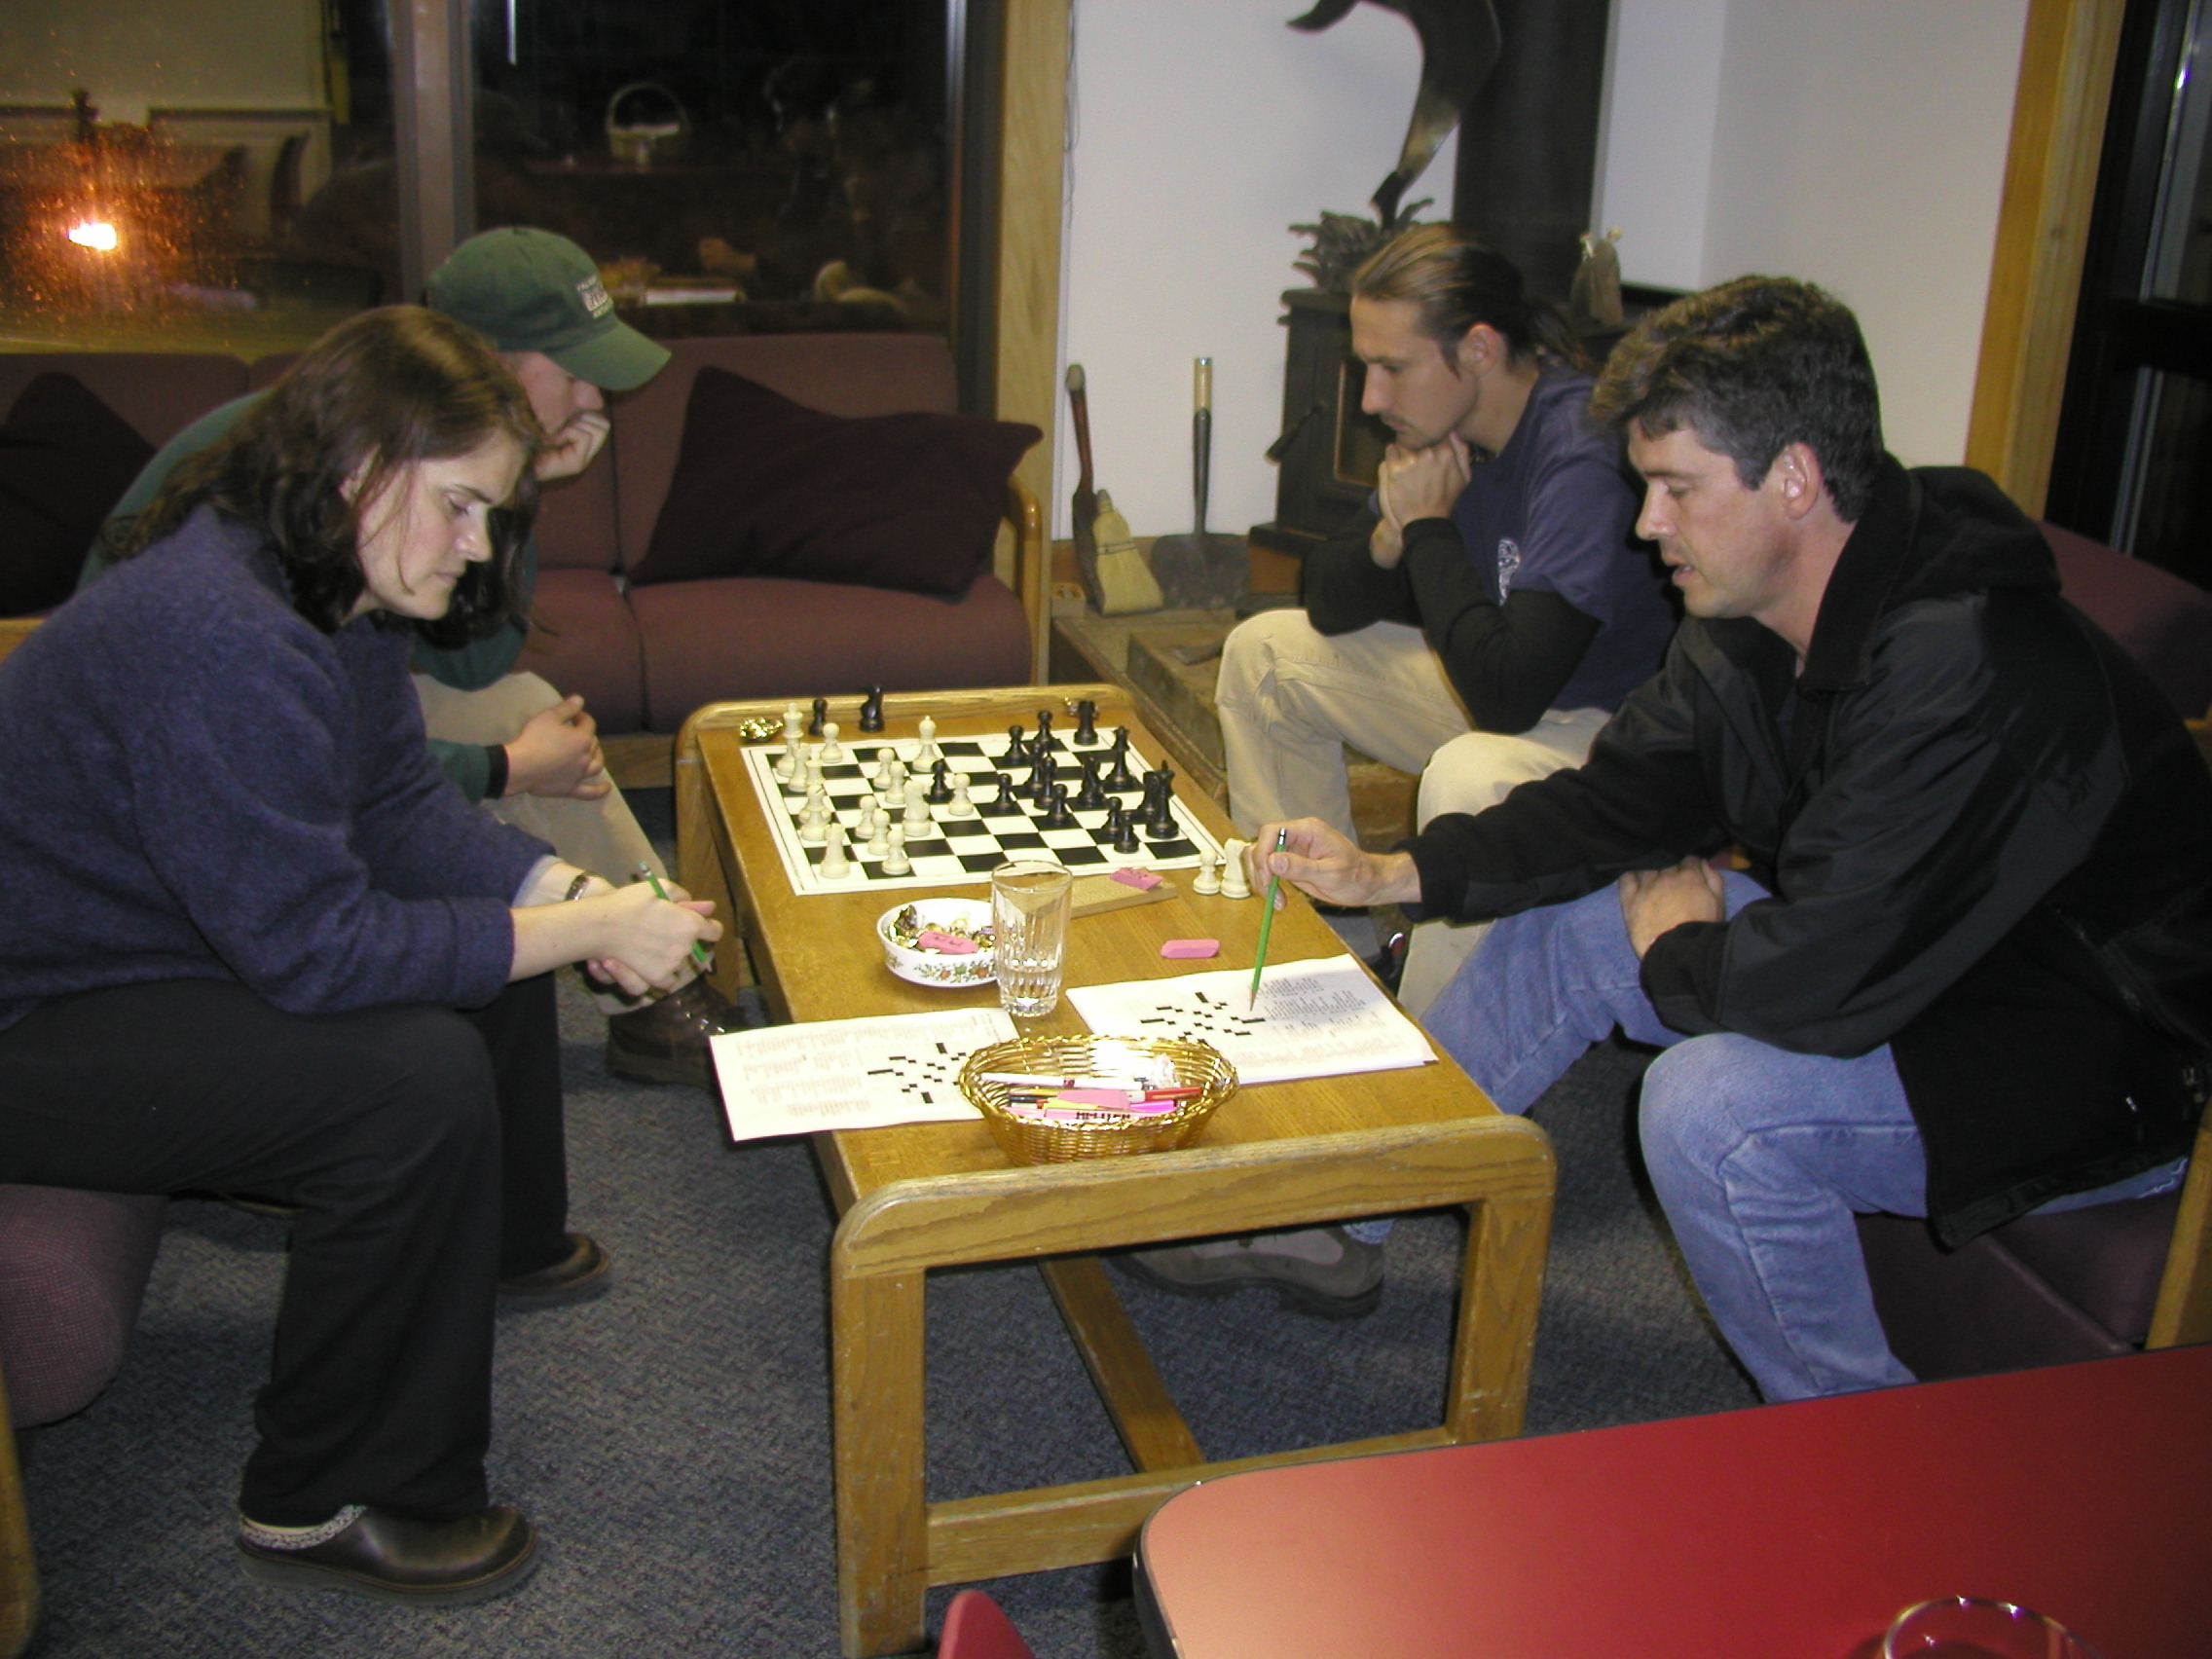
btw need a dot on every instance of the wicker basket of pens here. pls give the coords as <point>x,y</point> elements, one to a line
<point>1046,1097</point>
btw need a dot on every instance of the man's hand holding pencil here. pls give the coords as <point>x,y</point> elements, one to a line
<point>1324,865</point>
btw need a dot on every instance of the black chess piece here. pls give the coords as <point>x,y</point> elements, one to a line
<point>1085,723</point>
<point>820,713</point>
<point>1056,814</point>
<point>939,791</point>
<point>1121,828</point>
<point>1016,750</point>
<point>1092,798</point>
<point>1044,731</point>
<point>1038,789</point>
<point>871,710</point>
<point>1121,779</point>
<point>1160,799</point>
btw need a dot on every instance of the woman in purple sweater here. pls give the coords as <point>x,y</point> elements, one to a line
<point>253,941</point>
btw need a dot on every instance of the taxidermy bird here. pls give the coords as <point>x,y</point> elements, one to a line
<point>1459,44</point>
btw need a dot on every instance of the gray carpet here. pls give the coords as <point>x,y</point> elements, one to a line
<point>672,1438</point>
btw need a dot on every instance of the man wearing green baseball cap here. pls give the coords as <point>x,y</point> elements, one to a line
<point>509,739</point>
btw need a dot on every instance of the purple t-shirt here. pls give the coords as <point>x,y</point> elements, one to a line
<point>1555,510</point>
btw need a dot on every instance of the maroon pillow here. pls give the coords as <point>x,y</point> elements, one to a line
<point>765,487</point>
<point>65,460</point>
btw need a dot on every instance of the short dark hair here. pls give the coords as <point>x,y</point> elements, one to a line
<point>1456,283</point>
<point>381,391</point>
<point>1752,367</point>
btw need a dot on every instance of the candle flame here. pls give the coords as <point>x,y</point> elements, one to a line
<point>93,233</point>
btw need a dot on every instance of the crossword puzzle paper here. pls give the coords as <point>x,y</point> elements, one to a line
<point>1319,1018</point>
<point>852,1074</point>
<point>959,850</point>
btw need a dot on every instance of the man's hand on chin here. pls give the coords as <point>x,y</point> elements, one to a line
<point>575,445</point>
<point>1652,901</point>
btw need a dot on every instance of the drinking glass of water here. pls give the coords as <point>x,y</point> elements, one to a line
<point>1029,927</point>
<point>1968,1627</point>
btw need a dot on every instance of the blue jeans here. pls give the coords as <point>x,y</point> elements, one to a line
<point>1759,1155</point>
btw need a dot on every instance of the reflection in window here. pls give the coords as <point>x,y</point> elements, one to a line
<point>733,166</point>
<point>154,159</point>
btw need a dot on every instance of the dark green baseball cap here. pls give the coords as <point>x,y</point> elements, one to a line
<point>527,291</point>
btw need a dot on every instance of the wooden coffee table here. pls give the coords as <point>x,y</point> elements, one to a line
<point>929,1195</point>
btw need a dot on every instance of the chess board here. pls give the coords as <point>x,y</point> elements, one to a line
<point>963,850</point>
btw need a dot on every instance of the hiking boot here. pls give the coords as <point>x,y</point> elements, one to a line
<point>666,1039</point>
<point>1321,1271</point>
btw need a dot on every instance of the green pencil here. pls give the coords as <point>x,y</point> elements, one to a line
<point>699,954</point>
<point>1267,923</point>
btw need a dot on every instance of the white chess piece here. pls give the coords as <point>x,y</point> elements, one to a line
<point>883,761</point>
<point>916,817</point>
<point>891,781</point>
<point>811,819</point>
<point>1208,878</point>
<point>960,806</point>
<point>1232,882</point>
<point>865,826</point>
<point>895,861</point>
<point>795,727</point>
<point>879,836</point>
<point>834,865</point>
<point>832,752</point>
<point>928,751</point>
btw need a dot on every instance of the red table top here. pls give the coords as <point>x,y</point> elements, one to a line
<point>1793,1532</point>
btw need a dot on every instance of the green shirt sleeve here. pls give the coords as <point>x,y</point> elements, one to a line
<point>202,435</point>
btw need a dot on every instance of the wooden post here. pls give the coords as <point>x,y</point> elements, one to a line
<point>1030,204</point>
<point>2043,233</point>
<point>19,1568</point>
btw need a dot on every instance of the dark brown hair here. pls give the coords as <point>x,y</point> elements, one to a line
<point>1752,367</point>
<point>1456,283</point>
<point>381,391</point>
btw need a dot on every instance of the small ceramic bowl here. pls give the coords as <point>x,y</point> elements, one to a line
<point>934,967</point>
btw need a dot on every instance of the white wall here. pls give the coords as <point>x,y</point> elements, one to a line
<point>1201,131</point>
<point>1856,143</point>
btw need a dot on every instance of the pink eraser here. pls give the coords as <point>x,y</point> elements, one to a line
<point>1114,1097</point>
<point>945,944</point>
<point>1191,950</point>
<point>1141,879</point>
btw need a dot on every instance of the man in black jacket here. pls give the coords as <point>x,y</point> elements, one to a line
<point>1969,972</point>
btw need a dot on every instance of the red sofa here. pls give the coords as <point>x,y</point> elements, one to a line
<point>644,657</point>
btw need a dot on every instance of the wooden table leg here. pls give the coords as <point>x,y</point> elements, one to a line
<point>19,1571</point>
<point>882,1513</point>
<point>1130,1384</point>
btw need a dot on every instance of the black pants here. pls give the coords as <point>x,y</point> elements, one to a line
<point>390,1128</point>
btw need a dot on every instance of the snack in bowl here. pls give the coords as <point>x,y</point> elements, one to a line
<point>938,942</point>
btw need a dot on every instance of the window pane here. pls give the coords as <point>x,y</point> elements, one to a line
<point>733,166</point>
<point>2166,507</point>
<point>2180,263</point>
<point>166,208</point>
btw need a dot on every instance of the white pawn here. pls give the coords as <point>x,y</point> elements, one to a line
<point>928,751</point>
<point>895,860</point>
<point>1208,878</point>
<point>834,866</point>
<point>1232,882</point>
<point>832,752</point>
<point>960,806</point>
<point>891,780</point>
<point>814,817</point>
<point>879,836</point>
<point>866,823</point>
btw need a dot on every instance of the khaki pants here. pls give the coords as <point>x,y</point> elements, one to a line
<point>598,835</point>
<point>1290,698</point>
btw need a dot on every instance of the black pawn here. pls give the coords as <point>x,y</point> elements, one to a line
<point>1092,798</point>
<point>820,713</point>
<point>1085,723</point>
<point>1121,778</point>
<point>1121,828</point>
<point>1044,731</point>
<point>940,792</point>
<point>871,710</point>
<point>1040,785</point>
<point>1016,750</point>
<point>1057,816</point>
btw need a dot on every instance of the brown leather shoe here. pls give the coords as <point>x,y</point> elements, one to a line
<point>396,1557</point>
<point>584,1273</point>
<point>666,1041</point>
